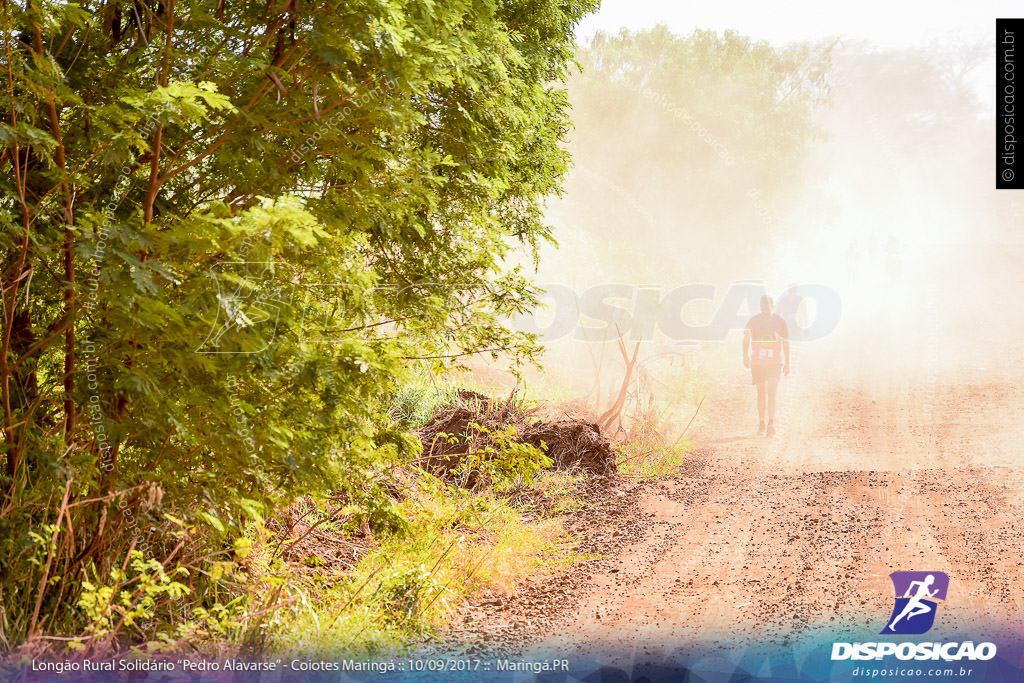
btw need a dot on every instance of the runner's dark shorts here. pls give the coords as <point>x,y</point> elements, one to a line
<point>763,373</point>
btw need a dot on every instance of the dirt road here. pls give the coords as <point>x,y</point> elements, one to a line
<point>899,448</point>
<point>771,539</point>
<point>777,540</point>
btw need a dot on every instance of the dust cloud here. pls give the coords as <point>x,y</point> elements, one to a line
<point>862,176</point>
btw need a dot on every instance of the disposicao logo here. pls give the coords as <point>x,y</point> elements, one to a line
<point>917,595</point>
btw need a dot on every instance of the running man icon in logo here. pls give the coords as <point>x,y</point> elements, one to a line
<point>917,594</point>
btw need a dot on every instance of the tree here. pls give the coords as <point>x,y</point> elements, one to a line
<point>689,139</point>
<point>226,232</point>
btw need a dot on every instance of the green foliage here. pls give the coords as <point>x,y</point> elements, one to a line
<point>503,461</point>
<point>224,237</point>
<point>127,600</point>
<point>418,398</point>
<point>406,591</point>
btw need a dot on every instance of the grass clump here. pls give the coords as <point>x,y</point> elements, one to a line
<point>405,589</point>
<point>646,453</point>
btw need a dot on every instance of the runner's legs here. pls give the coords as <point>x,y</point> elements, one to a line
<point>771,389</point>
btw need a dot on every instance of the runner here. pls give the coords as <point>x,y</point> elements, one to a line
<point>767,336</point>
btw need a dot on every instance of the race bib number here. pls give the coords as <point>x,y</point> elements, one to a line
<point>764,350</point>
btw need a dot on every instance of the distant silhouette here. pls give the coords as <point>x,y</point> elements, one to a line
<point>766,353</point>
<point>791,308</point>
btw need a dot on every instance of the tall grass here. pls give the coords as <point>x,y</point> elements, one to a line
<point>647,453</point>
<point>406,589</point>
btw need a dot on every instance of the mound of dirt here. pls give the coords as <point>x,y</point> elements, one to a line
<point>570,442</point>
<point>573,442</point>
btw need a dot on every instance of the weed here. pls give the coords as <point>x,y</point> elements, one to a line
<point>646,452</point>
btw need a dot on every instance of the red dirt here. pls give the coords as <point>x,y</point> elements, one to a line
<point>775,539</point>
<point>570,442</point>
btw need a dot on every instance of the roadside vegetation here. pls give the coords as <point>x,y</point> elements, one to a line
<point>227,239</point>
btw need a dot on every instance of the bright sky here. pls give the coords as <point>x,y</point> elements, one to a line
<point>889,23</point>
